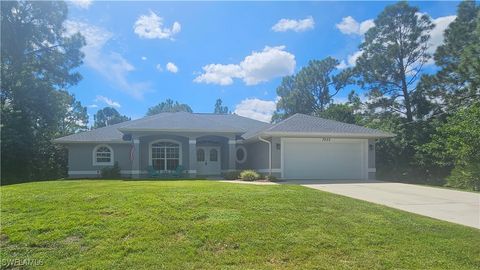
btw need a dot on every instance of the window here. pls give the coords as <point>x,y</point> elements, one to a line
<point>103,155</point>
<point>241,154</point>
<point>165,155</point>
<point>200,155</point>
<point>213,155</point>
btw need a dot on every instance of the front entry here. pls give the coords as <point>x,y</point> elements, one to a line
<point>208,160</point>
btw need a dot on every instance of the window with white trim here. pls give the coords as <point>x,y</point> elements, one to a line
<point>241,154</point>
<point>165,156</point>
<point>103,155</point>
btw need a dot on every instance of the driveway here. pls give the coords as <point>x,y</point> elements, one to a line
<point>445,204</point>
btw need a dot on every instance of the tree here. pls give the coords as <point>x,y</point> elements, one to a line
<point>37,60</point>
<point>75,115</point>
<point>108,116</point>
<point>457,83</point>
<point>393,55</point>
<point>219,109</point>
<point>470,64</point>
<point>311,90</point>
<point>344,112</point>
<point>456,144</point>
<point>169,106</point>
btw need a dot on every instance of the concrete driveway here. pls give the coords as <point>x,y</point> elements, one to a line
<point>445,204</point>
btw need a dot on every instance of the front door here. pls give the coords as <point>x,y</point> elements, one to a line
<point>208,160</point>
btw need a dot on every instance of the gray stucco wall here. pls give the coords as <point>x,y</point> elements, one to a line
<point>257,155</point>
<point>371,158</point>
<point>80,158</point>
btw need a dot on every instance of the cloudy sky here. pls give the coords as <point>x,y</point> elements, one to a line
<point>139,54</point>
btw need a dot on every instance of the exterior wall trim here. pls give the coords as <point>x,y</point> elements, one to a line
<point>244,154</point>
<point>328,134</point>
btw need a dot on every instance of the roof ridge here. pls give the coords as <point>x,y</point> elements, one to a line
<point>283,121</point>
<point>343,123</point>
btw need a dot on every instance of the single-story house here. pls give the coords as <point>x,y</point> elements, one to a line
<point>299,147</point>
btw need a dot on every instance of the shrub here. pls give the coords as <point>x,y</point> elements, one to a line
<point>111,172</point>
<point>271,178</point>
<point>249,175</point>
<point>466,177</point>
<point>233,175</point>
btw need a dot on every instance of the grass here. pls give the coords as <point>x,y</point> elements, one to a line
<point>215,225</point>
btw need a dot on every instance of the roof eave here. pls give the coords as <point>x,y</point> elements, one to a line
<point>178,130</point>
<point>328,134</point>
<point>89,142</point>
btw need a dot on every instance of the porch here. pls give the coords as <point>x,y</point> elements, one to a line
<point>197,154</point>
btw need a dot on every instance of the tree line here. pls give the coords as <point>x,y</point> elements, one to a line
<point>434,115</point>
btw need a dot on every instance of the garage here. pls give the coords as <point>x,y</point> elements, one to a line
<point>324,158</point>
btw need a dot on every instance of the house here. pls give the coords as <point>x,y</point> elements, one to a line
<point>299,147</point>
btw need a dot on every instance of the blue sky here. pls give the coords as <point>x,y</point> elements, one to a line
<point>141,53</point>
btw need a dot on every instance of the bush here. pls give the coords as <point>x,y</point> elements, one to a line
<point>465,177</point>
<point>111,172</point>
<point>249,175</point>
<point>233,175</point>
<point>271,178</point>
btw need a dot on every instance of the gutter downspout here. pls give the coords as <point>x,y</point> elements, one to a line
<point>269,154</point>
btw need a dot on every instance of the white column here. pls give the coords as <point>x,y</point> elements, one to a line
<point>231,155</point>
<point>192,154</point>
<point>136,170</point>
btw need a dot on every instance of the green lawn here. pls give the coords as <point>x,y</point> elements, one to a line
<point>213,225</point>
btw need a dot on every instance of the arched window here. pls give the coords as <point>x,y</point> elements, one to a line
<point>241,154</point>
<point>200,155</point>
<point>165,155</point>
<point>213,155</point>
<point>102,155</point>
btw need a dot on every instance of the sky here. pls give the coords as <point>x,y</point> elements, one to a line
<point>139,54</point>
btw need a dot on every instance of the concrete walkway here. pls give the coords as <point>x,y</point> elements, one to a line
<point>445,204</point>
<point>266,183</point>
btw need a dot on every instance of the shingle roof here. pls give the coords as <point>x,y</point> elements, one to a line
<point>194,122</point>
<point>311,125</point>
<point>180,121</point>
<point>298,124</point>
<point>104,134</point>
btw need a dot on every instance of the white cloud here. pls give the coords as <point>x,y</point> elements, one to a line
<point>257,109</point>
<point>257,67</point>
<point>350,61</point>
<point>171,67</point>
<point>284,25</point>
<point>151,27</point>
<point>436,35</point>
<point>111,65</point>
<point>350,26</point>
<point>93,106</point>
<point>144,58</point>
<point>219,74</point>
<point>85,4</point>
<point>107,101</point>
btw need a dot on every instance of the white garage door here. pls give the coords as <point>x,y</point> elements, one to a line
<point>324,158</point>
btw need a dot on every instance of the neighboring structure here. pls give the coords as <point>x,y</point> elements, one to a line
<point>299,147</point>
